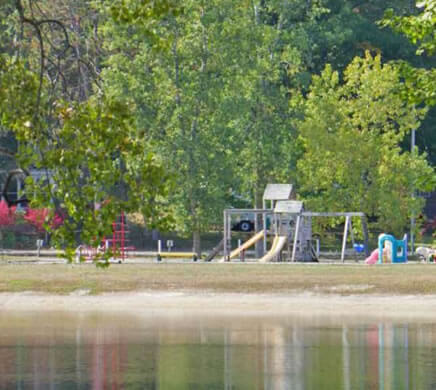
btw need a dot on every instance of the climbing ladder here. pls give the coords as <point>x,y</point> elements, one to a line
<point>119,240</point>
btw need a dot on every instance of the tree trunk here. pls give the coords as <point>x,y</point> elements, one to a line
<point>258,204</point>
<point>196,243</point>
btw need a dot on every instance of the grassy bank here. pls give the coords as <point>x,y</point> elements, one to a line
<point>244,278</point>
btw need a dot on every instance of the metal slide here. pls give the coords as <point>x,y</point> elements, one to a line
<point>278,244</point>
<point>245,245</point>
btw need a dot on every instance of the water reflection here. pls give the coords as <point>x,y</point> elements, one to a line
<point>99,352</point>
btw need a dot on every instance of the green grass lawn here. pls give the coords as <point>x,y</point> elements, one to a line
<point>244,278</point>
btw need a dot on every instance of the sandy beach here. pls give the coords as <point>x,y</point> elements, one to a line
<point>222,304</point>
<point>222,289</point>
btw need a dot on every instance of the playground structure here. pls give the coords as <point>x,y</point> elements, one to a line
<point>119,238</point>
<point>391,250</point>
<point>289,224</point>
<point>117,244</point>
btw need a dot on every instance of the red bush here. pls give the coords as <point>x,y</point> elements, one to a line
<point>38,217</point>
<point>7,214</point>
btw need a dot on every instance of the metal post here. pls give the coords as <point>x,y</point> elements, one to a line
<point>365,235</point>
<point>344,241</point>
<point>296,234</point>
<point>412,217</point>
<point>123,243</point>
<point>229,236</point>
<point>239,245</point>
<point>229,231</point>
<point>38,247</point>
<point>257,248</point>
<point>225,235</point>
<point>264,226</point>
<point>114,238</point>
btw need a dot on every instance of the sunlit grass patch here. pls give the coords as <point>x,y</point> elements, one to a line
<point>241,278</point>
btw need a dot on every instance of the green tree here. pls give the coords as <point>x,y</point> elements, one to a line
<point>351,133</point>
<point>267,65</point>
<point>420,29</point>
<point>420,78</point>
<point>183,108</point>
<point>215,103</point>
<point>81,136</point>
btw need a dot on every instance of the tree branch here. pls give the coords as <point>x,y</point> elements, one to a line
<point>6,152</point>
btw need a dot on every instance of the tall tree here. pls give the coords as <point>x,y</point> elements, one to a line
<point>352,132</point>
<point>420,77</point>
<point>182,104</point>
<point>79,135</point>
<point>270,62</point>
<point>420,29</point>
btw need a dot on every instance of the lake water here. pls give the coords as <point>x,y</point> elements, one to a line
<point>95,351</point>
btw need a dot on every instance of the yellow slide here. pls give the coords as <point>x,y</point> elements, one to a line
<point>278,244</point>
<point>245,245</point>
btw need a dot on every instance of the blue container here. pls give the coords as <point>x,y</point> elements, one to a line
<point>359,248</point>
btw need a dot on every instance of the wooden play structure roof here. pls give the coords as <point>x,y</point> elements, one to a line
<point>289,207</point>
<point>278,192</point>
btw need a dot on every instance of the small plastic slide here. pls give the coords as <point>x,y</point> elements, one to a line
<point>245,245</point>
<point>373,257</point>
<point>278,244</point>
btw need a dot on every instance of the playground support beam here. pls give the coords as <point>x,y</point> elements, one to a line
<point>296,234</point>
<point>344,239</point>
<point>225,235</point>
<point>333,214</point>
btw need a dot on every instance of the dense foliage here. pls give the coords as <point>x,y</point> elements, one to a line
<point>78,134</point>
<point>351,133</point>
<point>179,109</point>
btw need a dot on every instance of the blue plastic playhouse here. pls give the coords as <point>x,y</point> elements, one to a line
<point>398,248</point>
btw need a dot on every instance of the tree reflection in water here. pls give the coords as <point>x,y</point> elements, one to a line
<point>99,351</point>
